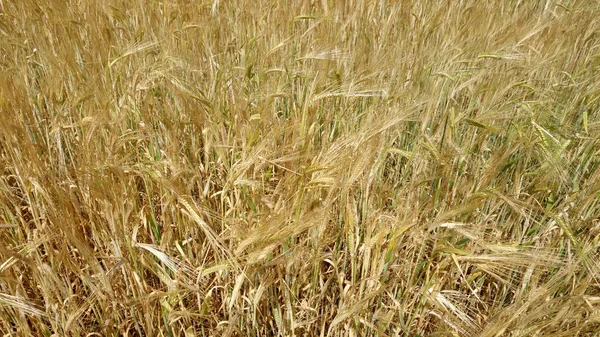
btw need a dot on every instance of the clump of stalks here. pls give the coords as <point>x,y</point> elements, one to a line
<point>311,168</point>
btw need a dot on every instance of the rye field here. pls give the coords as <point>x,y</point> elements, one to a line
<point>299,168</point>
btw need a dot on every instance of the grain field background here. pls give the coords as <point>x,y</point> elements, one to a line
<point>299,168</point>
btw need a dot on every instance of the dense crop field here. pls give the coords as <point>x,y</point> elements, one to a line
<point>299,168</point>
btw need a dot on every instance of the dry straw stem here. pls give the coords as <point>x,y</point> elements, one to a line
<point>303,168</point>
